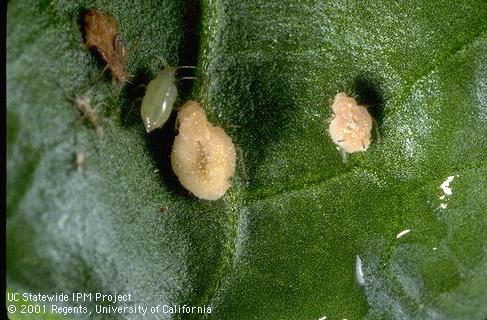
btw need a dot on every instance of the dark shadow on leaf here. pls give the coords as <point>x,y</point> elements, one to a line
<point>132,95</point>
<point>265,110</point>
<point>189,46</point>
<point>369,93</point>
<point>159,143</point>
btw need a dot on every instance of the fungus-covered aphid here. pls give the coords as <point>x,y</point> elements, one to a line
<point>203,156</point>
<point>351,124</point>
<point>160,95</point>
<point>102,36</point>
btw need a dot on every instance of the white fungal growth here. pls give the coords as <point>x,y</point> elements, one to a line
<point>203,156</point>
<point>400,234</point>
<point>351,124</point>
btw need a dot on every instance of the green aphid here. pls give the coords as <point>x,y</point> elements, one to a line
<point>159,98</point>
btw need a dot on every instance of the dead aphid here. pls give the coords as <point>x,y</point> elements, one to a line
<point>203,156</point>
<point>351,125</point>
<point>79,160</point>
<point>163,209</point>
<point>83,104</point>
<point>101,35</point>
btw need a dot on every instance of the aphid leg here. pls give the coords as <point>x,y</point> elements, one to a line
<point>241,166</point>
<point>129,78</point>
<point>330,119</point>
<point>96,80</point>
<point>186,78</point>
<point>142,85</point>
<point>227,126</point>
<point>120,84</point>
<point>132,106</point>
<point>377,132</point>
<point>98,128</point>
<point>344,155</point>
<point>186,67</point>
<point>162,61</point>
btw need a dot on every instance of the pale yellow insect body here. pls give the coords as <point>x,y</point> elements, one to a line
<point>203,156</point>
<point>159,99</point>
<point>351,124</point>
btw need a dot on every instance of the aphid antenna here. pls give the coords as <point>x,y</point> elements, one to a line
<point>66,96</point>
<point>161,60</point>
<point>344,156</point>
<point>142,85</point>
<point>231,126</point>
<point>186,67</point>
<point>132,106</point>
<point>163,209</point>
<point>126,81</point>
<point>376,128</point>
<point>241,165</point>
<point>188,78</point>
<point>95,81</point>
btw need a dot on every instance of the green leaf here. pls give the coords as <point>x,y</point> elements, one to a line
<point>283,242</point>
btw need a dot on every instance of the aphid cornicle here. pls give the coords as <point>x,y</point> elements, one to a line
<point>203,156</point>
<point>160,95</point>
<point>351,124</point>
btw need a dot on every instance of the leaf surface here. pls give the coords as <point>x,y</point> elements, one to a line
<point>283,242</point>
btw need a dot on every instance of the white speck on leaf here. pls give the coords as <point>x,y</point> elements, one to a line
<point>402,233</point>
<point>359,274</point>
<point>445,186</point>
